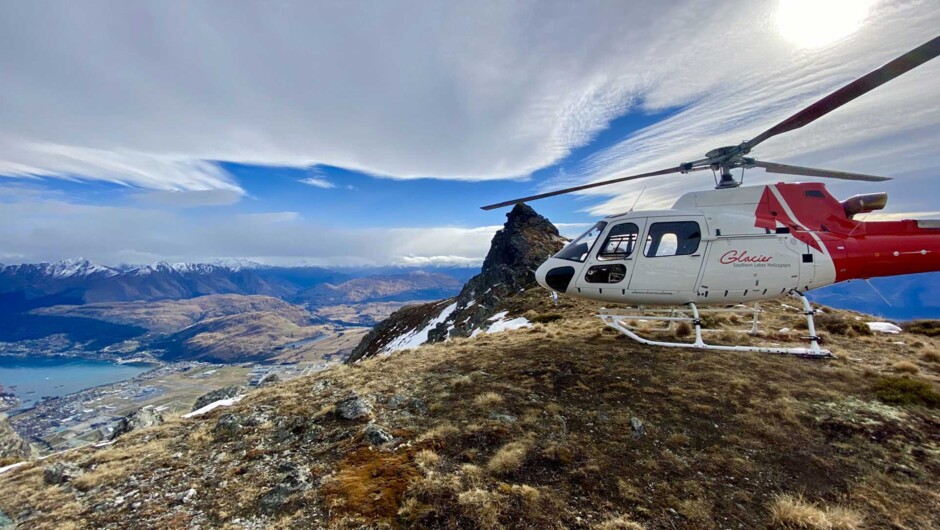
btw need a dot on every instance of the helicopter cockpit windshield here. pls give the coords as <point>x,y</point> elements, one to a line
<point>579,249</point>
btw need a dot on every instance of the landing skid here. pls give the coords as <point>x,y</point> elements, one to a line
<point>616,321</point>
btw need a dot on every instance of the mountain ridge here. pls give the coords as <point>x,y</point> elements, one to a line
<point>524,242</point>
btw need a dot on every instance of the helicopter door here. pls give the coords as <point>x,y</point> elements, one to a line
<point>671,258</point>
<point>607,272</point>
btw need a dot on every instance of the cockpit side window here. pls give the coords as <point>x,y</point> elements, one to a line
<point>579,249</point>
<point>620,242</point>
<point>679,238</point>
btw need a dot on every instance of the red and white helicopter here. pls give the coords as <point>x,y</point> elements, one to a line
<point>739,244</point>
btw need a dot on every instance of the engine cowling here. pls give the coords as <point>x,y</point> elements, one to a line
<point>865,203</point>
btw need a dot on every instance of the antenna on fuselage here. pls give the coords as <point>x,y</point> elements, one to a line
<point>637,199</point>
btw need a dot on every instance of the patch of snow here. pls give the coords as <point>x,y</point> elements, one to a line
<point>498,316</point>
<point>784,330</point>
<point>214,405</point>
<point>476,332</point>
<point>884,327</point>
<point>509,325</point>
<point>11,467</point>
<point>416,338</point>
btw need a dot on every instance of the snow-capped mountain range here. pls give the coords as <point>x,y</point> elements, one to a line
<point>79,280</point>
<point>82,267</point>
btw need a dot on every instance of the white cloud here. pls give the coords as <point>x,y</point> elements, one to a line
<point>151,94</point>
<point>318,182</point>
<point>48,228</point>
<point>189,198</point>
<point>879,216</point>
<point>142,93</point>
<point>726,99</point>
<point>438,261</point>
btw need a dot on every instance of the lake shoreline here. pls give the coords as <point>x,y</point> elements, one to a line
<point>34,380</point>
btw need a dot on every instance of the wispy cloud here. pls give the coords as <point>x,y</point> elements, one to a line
<point>467,93</point>
<point>889,131</point>
<point>318,182</point>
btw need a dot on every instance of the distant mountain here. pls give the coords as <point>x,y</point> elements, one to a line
<point>79,281</point>
<point>99,306</point>
<point>913,296</point>
<point>171,316</point>
<point>248,336</point>
<point>417,285</point>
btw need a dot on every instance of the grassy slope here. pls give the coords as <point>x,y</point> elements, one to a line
<point>532,429</point>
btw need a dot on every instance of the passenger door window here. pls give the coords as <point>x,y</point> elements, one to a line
<point>679,238</point>
<point>620,242</point>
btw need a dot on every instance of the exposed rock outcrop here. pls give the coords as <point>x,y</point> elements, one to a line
<point>217,395</point>
<point>12,447</point>
<point>524,242</point>
<point>145,417</point>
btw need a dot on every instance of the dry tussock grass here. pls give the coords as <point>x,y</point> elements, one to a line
<point>438,433</point>
<point>509,458</point>
<point>618,523</point>
<point>427,459</point>
<point>905,367</point>
<point>481,506</point>
<point>791,511</point>
<point>488,399</point>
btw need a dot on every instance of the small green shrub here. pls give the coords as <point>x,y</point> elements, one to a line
<point>906,391</point>
<point>928,328</point>
<point>836,325</point>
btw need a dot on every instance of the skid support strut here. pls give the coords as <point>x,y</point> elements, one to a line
<point>617,321</point>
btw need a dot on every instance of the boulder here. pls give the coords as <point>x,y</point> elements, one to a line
<point>140,419</point>
<point>293,479</point>
<point>269,380</point>
<point>353,408</point>
<point>60,473</point>
<point>638,428</point>
<point>217,395</point>
<point>375,435</point>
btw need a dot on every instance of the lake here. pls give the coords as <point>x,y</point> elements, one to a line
<point>31,379</point>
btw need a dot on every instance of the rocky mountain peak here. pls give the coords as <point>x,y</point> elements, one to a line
<point>525,241</point>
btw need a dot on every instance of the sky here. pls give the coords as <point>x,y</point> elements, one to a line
<point>370,133</point>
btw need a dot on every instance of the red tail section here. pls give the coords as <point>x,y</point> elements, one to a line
<point>889,248</point>
<point>858,249</point>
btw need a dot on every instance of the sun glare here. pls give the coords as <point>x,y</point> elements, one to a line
<point>814,23</point>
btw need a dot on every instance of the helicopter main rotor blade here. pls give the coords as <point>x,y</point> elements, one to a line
<point>860,86</point>
<point>584,187</point>
<point>773,167</point>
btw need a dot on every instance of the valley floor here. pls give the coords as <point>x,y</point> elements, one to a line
<point>566,424</point>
